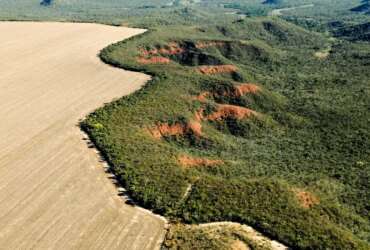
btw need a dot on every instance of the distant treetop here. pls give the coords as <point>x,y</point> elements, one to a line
<point>46,2</point>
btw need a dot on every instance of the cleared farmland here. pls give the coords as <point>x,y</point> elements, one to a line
<point>54,191</point>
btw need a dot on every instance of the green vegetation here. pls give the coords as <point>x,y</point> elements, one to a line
<point>216,237</point>
<point>358,32</point>
<point>107,11</point>
<point>323,15</point>
<point>312,133</point>
<point>297,167</point>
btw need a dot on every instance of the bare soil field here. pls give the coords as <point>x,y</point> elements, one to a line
<point>54,192</point>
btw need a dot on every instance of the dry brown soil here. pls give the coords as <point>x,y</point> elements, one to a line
<point>251,234</point>
<point>54,192</point>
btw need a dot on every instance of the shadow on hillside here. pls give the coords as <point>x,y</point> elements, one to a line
<point>121,191</point>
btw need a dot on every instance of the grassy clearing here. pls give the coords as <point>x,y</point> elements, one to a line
<point>310,134</point>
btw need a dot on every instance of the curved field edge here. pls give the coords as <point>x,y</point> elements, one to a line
<point>149,167</point>
<point>57,193</point>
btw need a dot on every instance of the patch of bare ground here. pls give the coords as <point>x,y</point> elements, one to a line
<point>321,54</point>
<point>189,162</point>
<point>199,115</point>
<point>54,191</point>
<point>230,111</point>
<point>154,60</point>
<point>247,88</point>
<point>165,129</point>
<point>172,48</point>
<point>239,245</point>
<point>239,91</point>
<point>217,69</point>
<point>246,232</point>
<point>306,199</point>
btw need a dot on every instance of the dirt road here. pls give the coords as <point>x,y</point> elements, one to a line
<point>279,12</point>
<point>54,193</point>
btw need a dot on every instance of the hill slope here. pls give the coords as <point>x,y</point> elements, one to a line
<point>249,127</point>
<point>364,7</point>
<point>358,32</point>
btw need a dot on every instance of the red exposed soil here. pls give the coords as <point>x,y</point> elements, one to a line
<point>199,115</point>
<point>246,88</point>
<point>153,60</point>
<point>151,52</point>
<point>207,44</point>
<point>239,91</point>
<point>217,69</point>
<point>188,161</point>
<point>164,129</point>
<point>227,111</point>
<point>171,49</point>
<point>195,127</point>
<point>306,199</point>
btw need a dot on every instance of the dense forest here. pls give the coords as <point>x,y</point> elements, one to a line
<point>260,126</point>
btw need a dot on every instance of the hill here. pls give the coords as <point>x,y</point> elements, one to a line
<point>250,127</point>
<point>359,32</point>
<point>253,120</point>
<point>364,7</point>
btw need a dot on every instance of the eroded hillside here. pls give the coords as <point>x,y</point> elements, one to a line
<point>245,123</point>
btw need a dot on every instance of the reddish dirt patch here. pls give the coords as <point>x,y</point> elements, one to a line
<point>153,60</point>
<point>171,49</point>
<point>305,198</point>
<point>188,161</point>
<point>226,111</point>
<point>238,91</point>
<point>246,88</point>
<point>199,115</point>
<point>151,52</point>
<point>217,69</point>
<point>207,44</point>
<point>195,127</point>
<point>164,129</point>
